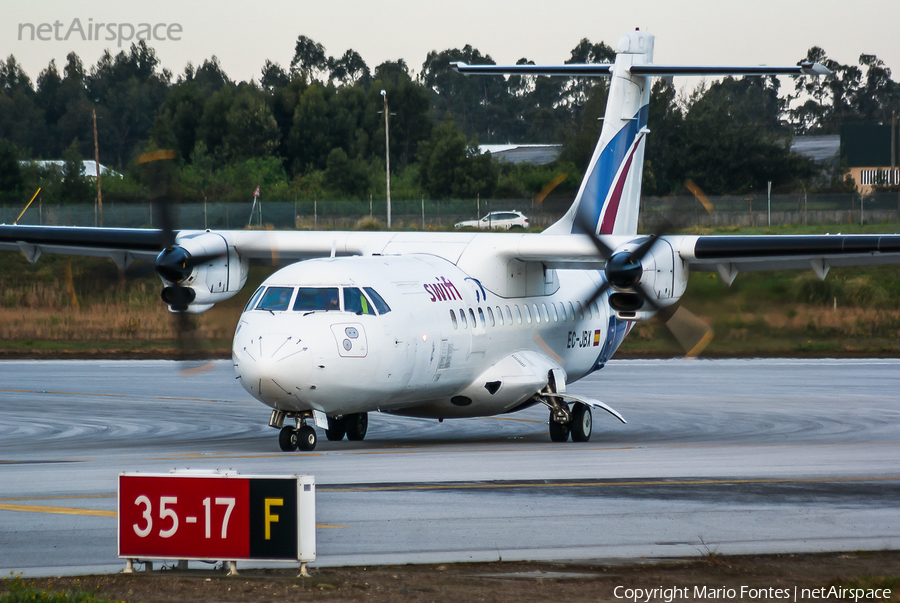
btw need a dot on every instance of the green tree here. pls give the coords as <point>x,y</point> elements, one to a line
<point>450,168</point>
<point>252,130</point>
<point>12,182</point>
<point>75,186</point>
<point>345,176</point>
<point>310,60</point>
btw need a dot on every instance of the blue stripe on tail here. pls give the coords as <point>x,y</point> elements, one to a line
<point>599,181</point>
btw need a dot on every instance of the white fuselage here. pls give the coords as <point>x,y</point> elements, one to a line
<point>446,348</point>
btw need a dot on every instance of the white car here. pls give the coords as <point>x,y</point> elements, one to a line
<point>505,220</point>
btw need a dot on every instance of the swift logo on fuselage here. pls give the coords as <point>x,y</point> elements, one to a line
<point>442,290</point>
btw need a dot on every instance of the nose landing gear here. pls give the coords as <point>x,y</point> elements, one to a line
<point>292,438</point>
<point>301,436</point>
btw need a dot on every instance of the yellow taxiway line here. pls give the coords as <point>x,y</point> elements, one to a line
<point>95,512</point>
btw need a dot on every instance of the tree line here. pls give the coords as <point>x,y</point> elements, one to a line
<point>315,128</point>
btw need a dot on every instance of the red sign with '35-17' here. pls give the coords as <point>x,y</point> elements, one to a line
<point>215,516</point>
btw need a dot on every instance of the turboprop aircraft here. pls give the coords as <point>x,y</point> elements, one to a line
<point>447,325</point>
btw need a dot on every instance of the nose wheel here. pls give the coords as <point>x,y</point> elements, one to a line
<point>293,438</point>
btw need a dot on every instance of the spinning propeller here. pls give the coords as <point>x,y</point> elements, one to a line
<point>174,264</point>
<point>622,273</point>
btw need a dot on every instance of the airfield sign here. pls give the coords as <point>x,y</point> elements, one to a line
<point>216,515</point>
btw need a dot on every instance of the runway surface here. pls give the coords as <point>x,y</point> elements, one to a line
<point>734,456</point>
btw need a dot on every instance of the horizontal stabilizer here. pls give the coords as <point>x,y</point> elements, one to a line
<point>600,70</point>
<point>573,70</point>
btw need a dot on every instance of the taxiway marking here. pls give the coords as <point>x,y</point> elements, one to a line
<point>101,513</point>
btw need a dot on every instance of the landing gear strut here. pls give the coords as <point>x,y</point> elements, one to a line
<point>576,421</point>
<point>301,436</point>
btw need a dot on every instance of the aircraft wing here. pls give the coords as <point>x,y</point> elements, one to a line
<point>727,253</point>
<point>139,243</point>
<point>730,254</point>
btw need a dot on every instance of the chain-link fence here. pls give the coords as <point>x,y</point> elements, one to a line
<point>749,210</point>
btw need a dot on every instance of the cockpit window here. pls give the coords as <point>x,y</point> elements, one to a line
<point>275,299</point>
<point>380,304</point>
<point>310,299</point>
<point>254,299</point>
<point>356,302</point>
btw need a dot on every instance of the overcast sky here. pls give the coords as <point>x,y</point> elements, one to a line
<point>244,34</point>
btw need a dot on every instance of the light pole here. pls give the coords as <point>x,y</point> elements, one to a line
<point>387,155</point>
<point>97,165</point>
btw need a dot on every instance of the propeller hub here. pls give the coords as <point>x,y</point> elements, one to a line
<point>173,264</point>
<point>623,271</point>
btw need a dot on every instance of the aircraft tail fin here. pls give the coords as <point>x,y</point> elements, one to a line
<point>609,197</point>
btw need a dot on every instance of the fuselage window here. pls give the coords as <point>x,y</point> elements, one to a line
<point>275,299</point>
<point>472,316</point>
<point>546,313</point>
<point>509,317</point>
<point>562,310</point>
<point>453,320</point>
<point>527,313</point>
<point>380,304</point>
<point>587,310</point>
<point>596,310</point>
<point>310,299</point>
<point>500,316</point>
<point>481,316</point>
<point>571,312</point>
<point>491,316</point>
<point>537,314</point>
<point>555,313</point>
<point>518,315</point>
<point>462,317</point>
<point>356,302</point>
<point>580,311</point>
<point>254,299</point>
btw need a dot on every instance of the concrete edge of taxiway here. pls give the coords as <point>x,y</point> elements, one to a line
<point>595,555</point>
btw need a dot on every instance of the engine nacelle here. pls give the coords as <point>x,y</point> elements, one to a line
<point>207,270</point>
<point>663,276</point>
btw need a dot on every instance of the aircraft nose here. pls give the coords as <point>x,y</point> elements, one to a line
<point>270,365</point>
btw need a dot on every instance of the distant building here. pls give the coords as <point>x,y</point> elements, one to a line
<point>824,150</point>
<point>537,154</point>
<point>866,150</point>
<point>88,169</point>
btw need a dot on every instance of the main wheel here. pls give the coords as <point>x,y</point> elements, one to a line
<point>357,424</point>
<point>287,439</point>
<point>336,429</point>
<point>306,438</point>
<point>581,423</point>
<point>559,432</point>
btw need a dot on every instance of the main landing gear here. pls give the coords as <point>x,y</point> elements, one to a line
<point>564,422</point>
<point>303,436</point>
<point>353,425</point>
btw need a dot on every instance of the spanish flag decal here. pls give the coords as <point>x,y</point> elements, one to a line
<point>596,338</point>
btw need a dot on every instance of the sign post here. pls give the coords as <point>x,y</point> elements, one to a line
<point>190,515</point>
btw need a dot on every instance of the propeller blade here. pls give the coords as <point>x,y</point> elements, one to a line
<point>645,295</point>
<point>689,330</point>
<point>602,248</point>
<point>598,293</point>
